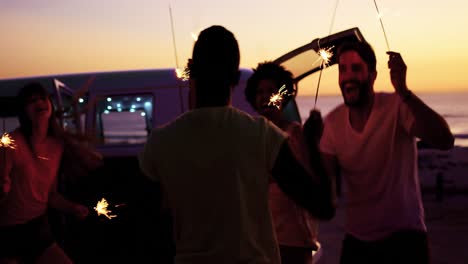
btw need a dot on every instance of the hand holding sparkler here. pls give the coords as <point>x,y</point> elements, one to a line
<point>398,73</point>
<point>80,211</point>
<point>313,126</point>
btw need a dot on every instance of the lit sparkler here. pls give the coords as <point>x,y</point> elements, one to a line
<point>276,99</point>
<point>325,55</point>
<point>379,15</point>
<point>194,36</point>
<point>101,209</point>
<point>7,142</point>
<point>183,73</point>
<point>178,71</point>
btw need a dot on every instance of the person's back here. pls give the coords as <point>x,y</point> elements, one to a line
<point>216,179</point>
<point>214,162</point>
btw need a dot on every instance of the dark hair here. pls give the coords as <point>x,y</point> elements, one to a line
<point>76,150</point>
<point>215,65</point>
<point>365,51</point>
<point>269,71</point>
<point>36,89</point>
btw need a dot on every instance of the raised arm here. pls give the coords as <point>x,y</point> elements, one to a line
<point>313,131</point>
<point>310,190</point>
<point>428,125</point>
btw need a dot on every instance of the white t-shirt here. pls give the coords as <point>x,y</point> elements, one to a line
<point>214,165</point>
<point>32,179</point>
<point>379,168</point>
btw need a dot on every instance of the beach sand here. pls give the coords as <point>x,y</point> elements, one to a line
<point>446,214</point>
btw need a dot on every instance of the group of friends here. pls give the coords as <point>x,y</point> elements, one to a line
<point>244,189</point>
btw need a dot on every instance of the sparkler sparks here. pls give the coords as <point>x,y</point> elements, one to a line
<point>7,142</point>
<point>183,73</point>
<point>101,209</point>
<point>325,56</point>
<point>276,99</point>
<point>194,36</point>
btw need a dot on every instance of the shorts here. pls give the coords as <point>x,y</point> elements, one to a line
<point>26,241</point>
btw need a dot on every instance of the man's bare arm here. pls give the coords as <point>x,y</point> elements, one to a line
<point>429,126</point>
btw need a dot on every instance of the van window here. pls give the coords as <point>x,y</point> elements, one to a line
<point>8,124</point>
<point>124,119</point>
<point>73,117</point>
<point>8,114</point>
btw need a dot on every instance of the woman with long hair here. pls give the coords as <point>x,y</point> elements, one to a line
<point>28,177</point>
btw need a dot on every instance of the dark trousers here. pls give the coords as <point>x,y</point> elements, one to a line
<point>295,255</point>
<point>401,247</point>
<point>27,241</point>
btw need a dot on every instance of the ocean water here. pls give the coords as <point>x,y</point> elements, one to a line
<point>452,106</point>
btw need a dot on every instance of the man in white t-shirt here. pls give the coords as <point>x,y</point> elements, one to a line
<point>214,164</point>
<point>371,141</point>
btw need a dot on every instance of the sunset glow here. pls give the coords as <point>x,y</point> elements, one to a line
<point>57,37</point>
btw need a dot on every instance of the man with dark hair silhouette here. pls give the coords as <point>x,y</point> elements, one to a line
<point>214,164</point>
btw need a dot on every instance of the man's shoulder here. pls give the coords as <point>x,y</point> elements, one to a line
<point>247,119</point>
<point>177,122</point>
<point>208,115</point>
<point>243,115</point>
<point>386,97</point>
<point>386,101</point>
<point>158,133</point>
<point>260,124</point>
<point>336,114</point>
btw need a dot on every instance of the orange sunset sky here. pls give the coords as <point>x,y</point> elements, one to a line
<point>56,37</point>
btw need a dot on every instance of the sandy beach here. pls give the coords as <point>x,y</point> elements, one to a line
<point>446,214</point>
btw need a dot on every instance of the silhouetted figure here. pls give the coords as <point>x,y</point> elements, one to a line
<point>214,164</point>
